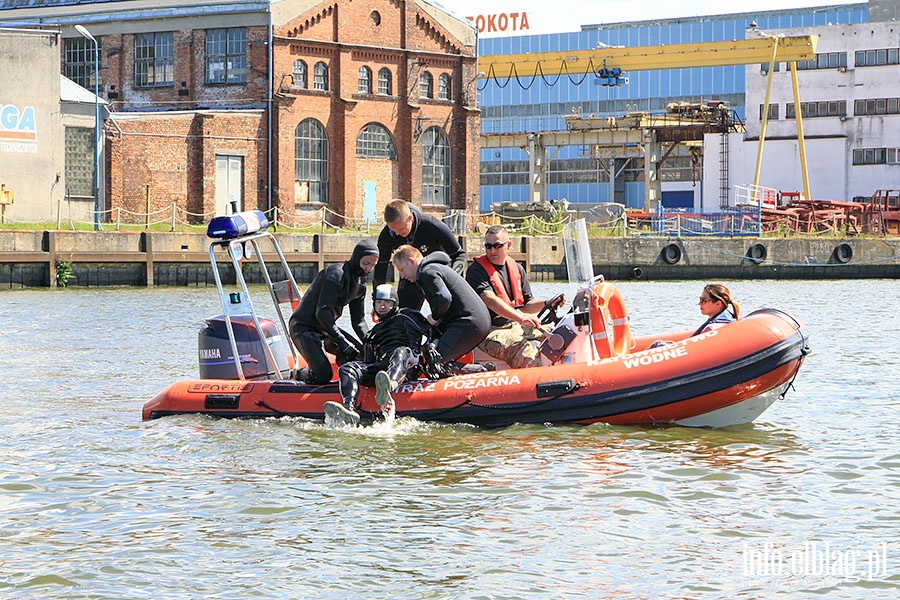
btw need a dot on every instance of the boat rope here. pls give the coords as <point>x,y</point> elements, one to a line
<point>804,350</point>
<point>790,385</point>
<point>279,413</point>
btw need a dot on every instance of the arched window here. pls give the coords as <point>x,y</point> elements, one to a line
<point>444,86</point>
<point>426,85</point>
<point>300,74</point>
<point>311,159</point>
<point>320,76</point>
<point>365,80</point>
<point>375,141</point>
<point>435,167</point>
<point>385,82</point>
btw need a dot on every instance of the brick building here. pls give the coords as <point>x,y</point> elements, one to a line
<point>294,104</point>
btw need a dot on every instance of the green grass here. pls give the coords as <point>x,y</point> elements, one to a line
<point>79,226</point>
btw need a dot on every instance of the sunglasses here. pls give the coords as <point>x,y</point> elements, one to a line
<point>705,300</point>
<point>495,245</point>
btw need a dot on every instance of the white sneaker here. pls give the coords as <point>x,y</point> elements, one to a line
<point>337,414</point>
<point>383,388</point>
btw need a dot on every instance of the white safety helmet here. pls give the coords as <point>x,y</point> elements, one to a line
<point>386,291</point>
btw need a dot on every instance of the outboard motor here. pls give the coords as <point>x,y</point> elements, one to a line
<point>217,359</point>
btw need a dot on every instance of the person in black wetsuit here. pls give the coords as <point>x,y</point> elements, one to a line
<point>406,224</point>
<point>391,349</point>
<point>313,326</point>
<point>457,312</point>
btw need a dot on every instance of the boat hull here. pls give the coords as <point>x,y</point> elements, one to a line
<point>724,377</point>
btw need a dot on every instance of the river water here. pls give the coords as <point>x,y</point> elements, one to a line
<point>97,504</point>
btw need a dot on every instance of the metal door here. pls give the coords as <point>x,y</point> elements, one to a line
<point>229,184</point>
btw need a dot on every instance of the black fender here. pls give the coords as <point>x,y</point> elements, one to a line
<point>671,253</point>
<point>843,252</point>
<point>757,253</point>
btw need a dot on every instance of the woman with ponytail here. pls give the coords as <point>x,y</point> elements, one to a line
<point>715,301</point>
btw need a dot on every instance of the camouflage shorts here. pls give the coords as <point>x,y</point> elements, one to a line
<point>514,344</point>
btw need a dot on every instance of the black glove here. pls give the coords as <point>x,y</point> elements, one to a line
<point>350,353</point>
<point>347,350</point>
<point>432,362</point>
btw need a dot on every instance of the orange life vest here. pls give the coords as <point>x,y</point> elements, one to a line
<point>515,280</point>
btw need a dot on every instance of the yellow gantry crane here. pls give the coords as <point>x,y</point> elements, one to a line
<point>612,64</point>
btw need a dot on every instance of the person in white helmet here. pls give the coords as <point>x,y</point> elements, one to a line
<point>391,348</point>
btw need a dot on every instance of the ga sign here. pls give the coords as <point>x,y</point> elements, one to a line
<point>17,124</point>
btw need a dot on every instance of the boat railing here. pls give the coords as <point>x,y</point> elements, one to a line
<point>282,291</point>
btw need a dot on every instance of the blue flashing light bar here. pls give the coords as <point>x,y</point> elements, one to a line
<point>231,226</point>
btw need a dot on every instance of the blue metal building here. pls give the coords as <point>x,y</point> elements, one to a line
<point>540,104</point>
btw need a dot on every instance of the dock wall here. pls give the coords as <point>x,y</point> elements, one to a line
<point>96,259</point>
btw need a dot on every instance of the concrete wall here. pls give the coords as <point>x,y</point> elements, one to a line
<point>33,129</point>
<point>884,10</point>
<point>32,140</point>
<point>29,258</point>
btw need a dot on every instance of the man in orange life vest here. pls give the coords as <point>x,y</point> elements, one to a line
<point>503,286</point>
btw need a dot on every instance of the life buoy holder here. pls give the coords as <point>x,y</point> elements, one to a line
<point>757,253</point>
<point>610,329</point>
<point>843,252</point>
<point>671,253</point>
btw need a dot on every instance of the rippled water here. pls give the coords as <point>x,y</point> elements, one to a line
<point>97,504</point>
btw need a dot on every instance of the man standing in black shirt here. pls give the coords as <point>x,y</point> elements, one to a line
<point>406,224</point>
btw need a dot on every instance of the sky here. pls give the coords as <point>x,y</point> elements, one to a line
<point>507,17</point>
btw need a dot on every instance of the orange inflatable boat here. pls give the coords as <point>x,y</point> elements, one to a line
<point>594,370</point>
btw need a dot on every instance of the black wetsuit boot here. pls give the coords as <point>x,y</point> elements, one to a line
<point>401,361</point>
<point>349,388</point>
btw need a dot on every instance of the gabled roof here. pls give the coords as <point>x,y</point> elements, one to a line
<point>69,91</point>
<point>450,32</point>
<point>458,26</point>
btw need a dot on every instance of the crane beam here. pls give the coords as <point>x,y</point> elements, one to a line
<point>645,58</point>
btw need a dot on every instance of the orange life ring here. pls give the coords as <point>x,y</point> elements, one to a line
<point>610,329</point>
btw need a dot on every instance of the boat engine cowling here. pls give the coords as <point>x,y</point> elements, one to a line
<point>217,359</point>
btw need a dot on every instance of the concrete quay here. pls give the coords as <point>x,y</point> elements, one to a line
<point>150,258</point>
